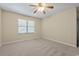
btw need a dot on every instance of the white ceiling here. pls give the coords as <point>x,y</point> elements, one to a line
<point>25,9</point>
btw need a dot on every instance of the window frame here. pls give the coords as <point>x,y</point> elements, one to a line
<point>26,27</point>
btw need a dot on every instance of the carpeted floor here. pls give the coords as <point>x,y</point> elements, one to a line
<point>38,47</point>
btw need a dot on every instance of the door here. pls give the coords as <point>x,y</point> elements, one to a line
<point>77,32</point>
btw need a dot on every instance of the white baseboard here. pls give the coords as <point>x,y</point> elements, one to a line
<point>38,38</point>
<point>60,42</point>
<point>15,41</point>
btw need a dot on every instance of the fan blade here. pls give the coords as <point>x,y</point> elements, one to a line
<point>35,11</point>
<point>44,12</point>
<point>33,5</point>
<point>50,7</point>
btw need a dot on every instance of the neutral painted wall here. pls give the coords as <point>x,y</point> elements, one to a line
<point>10,27</point>
<point>0,28</point>
<point>61,27</point>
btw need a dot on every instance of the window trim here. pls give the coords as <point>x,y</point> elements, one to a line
<point>26,28</point>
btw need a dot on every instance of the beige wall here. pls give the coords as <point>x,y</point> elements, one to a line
<point>0,28</point>
<point>10,27</point>
<point>61,27</point>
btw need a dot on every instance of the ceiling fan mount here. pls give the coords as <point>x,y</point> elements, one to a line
<point>41,7</point>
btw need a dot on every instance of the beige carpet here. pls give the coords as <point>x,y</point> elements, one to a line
<point>38,47</point>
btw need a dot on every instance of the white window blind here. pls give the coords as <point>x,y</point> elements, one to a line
<point>26,26</point>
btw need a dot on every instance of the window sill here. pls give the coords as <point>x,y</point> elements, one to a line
<point>27,33</point>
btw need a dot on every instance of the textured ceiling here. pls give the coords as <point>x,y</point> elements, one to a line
<point>25,9</point>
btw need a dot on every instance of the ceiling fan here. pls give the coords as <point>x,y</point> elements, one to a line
<point>41,7</point>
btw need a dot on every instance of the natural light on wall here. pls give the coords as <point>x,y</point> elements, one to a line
<point>26,26</point>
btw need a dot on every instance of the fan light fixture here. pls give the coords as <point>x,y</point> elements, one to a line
<point>41,7</point>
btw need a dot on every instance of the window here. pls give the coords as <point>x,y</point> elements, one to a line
<point>26,26</point>
<point>31,26</point>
